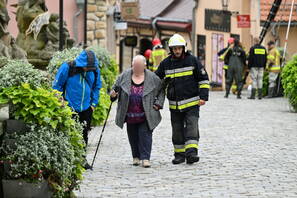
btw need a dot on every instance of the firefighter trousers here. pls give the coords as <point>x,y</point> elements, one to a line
<point>185,131</point>
<point>234,72</point>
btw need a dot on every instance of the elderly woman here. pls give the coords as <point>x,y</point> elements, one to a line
<point>140,97</point>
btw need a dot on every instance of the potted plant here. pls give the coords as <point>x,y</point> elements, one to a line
<point>52,150</point>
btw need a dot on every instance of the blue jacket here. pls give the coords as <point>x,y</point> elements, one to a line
<point>80,90</point>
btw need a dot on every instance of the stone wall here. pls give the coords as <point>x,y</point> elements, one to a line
<point>96,22</point>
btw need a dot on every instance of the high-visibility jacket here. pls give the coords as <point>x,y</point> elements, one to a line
<point>273,60</point>
<point>156,57</point>
<point>188,81</point>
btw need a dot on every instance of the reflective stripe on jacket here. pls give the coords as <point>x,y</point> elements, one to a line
<point>188,81</point>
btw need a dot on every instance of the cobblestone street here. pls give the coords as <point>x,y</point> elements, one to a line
<point>248,148</point>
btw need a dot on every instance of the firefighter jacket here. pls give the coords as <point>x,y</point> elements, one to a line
<point>188,81</point>
<point>273,60</point>
<point>257,56</point>
<point>156,57</point>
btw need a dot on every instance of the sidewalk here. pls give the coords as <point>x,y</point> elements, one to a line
<point>248,148</point>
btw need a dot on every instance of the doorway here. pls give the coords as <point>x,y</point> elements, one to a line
<point>217,41</point>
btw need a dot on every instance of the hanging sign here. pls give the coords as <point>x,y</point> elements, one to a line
<point>243,21</point>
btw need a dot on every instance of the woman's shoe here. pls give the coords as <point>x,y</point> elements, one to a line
<point>146,163</point>
<point>136,162</point>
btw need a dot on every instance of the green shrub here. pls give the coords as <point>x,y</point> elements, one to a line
<point>289,81</point>
<point>100,113</point>
<point>16,72</point>
<point>46,108</point>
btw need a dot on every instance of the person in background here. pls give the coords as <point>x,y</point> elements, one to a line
<point>273,66</point>
<point>140,97</point>
<point>256,64</point>
<point>158,54</point>
<point>236,60</point>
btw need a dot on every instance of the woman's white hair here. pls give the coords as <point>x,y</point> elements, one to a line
<point>139,57</point>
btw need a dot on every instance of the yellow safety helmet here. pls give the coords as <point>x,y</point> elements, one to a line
<point>177,40</point>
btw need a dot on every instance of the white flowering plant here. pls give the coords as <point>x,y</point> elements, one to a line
<point>16,72</point>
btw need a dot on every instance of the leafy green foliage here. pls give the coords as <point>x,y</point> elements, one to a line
<point>16,72</point>
<point>46,108</point>
<point>100,113</point>
<point>289,81</point>
<point>265,83</point>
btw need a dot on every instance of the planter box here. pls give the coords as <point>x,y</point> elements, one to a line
<point>4,112</point>
<point>15,126</point>
<point>22,189</point>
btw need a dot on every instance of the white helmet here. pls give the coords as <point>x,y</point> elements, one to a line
<point>177,40</point>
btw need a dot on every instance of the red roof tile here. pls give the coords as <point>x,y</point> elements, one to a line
<point>283,12</point>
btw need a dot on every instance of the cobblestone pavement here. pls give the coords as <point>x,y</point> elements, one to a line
<point>248,148</point>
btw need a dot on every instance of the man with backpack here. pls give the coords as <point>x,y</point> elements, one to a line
<point>80,83</point>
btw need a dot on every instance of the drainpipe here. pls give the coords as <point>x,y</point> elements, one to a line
<point>155,20</point>
<point>194,27</point>
<point>74,19</point>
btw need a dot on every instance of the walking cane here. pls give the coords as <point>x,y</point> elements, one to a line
<point>116,90</point>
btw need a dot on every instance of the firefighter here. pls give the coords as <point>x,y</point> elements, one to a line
<point>256,63</point>
<point>147,55</point>
<point>273,66</point>
<point>187,90</point>
<point>236,60</point>
<point>158,54</point>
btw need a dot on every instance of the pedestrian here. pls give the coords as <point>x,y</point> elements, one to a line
<point>256,64</point>
<point>80,83</point>
<point>236,60</point>
<point>187,89</point>
<point>158,54</point>
<point>273,66</point>
<point>140,98</point>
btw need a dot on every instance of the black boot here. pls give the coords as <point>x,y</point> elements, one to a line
<point>260,94</point>
<point>253,94</point>
<point>270,92</point>
<point>179,158</point>
<point>192,159</point>
<point>238,94</point>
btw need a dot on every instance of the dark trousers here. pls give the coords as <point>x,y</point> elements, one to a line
<point>85,117</point>
<point>185,131</point>
<point>140,139</point>
<point>234,73</point>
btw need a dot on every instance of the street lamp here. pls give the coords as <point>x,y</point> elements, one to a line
<point>61,26</point>
<point>225,4</point>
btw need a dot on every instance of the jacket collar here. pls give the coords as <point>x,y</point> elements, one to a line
<point>148,82</point>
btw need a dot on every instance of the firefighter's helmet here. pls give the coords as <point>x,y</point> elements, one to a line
<point>156,41</point>
<point>177,40</point>
<point>147,53</point>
